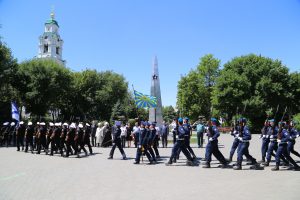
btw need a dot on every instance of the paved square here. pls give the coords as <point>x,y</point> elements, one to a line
<point>29,176</point>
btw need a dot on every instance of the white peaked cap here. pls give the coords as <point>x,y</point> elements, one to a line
<point>29,123</point>
<point>87,124</point>
<point>38,123</point>
<point>21,122</point>
<point>51,124</point>
<point>65,124</point>
<point>80,125</point>
<point>5,123</point>
<point>42,123</point>
<point>73,125</point>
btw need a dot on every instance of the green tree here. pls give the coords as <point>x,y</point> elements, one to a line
<point>195,89</point>
<point>8,68</point>
<point>169,113</point>
<point>43,85</point>
<point>254,84</point>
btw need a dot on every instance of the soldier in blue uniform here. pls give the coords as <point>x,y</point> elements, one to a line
<point>265,141</point>
<point>212,145</point>
<point>150,133</point>
<point>180,144</point>
<point>116,133</point>
<point>235,143</point>
<point>188,133</point>
<point>243,148</point>
<point>142,145</point>
<point>273,145</point>
<point>282,139</point>
<point>154,139</point>
<point>292,141</point>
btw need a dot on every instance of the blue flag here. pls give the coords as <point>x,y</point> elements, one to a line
<point>144,101</point>
<point>15,111</point>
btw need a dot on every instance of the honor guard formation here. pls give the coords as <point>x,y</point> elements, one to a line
<point>72,139</point>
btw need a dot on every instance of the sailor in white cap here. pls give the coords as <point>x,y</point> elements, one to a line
<point>20,134</point>
<point>42,138</point>
<point>79,140</point>
<point>70,139</point>
<point>62,139</point>
<point>29,137</point>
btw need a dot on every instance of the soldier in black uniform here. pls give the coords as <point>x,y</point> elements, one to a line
<point>62,139</point>
<point>150,135</point>
<point>154,139</point>
<point>20,133</point>
<point>55,139</point>
<point>116,134</point>
<point>93,134</point>
<point>86,137</point>
<point>49,135</point>
<point>5,131</point>
<point>70,139</point>
<point>12,134</point>
<point>79,142</point>
<point>42,138</point>
<point>29,137</point>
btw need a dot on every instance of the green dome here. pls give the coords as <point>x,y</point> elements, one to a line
<point>52,21</point>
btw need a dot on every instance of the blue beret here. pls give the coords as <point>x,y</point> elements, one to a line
<point>118,123</point>
<point>243,119</point>
<point>213,119</point>
<point>180,120</point>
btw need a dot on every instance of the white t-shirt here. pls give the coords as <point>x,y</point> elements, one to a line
<point>123,131</point>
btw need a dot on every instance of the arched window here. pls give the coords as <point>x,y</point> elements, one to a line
<point>46,48</point>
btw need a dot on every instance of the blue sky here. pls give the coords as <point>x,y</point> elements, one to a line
<point>125,35</point>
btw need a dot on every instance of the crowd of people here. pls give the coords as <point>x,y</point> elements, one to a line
<point>71,139</point>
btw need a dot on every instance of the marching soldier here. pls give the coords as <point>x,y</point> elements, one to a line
<point>29,137</point>
<point>49,135</point>
<point>180,144</point>
<point>79,143</point>
<point>265,141</point>
<point>12,134</point>
<point>5,131</point>
<point>154,139</point>
<point>235,143</point>
<point>70,140</point>
<point>42,138</point>
<point>142,146</point>
<point>62,139</point>
<point>116,138</point>
<point>20,134</point>
<point>292,141</point>
<point>86,137</point>
<point>149,138</point>
<point>273,146</point>
<point>212,145</point>
<point>282,139</point>
<point>243,148</point>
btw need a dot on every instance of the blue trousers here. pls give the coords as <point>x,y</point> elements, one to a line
<point>283,150</point>
<point>291,149</point>
<point>213,149</point>
<point>243,149</point>
<point>188,147</point>
<point>180,144</point>
<point>273,146</point>
<point>234,146</point>
<point>264,147</point>
<point>139,154</point>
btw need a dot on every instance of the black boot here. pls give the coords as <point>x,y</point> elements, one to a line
<point>169,162</point>
<point>206,165</point>
<point>267,163</point>
<point>276,168</point>
<point>238,166</point>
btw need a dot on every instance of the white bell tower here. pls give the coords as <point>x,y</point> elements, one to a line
<point>50,43</point>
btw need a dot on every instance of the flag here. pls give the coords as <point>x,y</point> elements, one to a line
<point>144,101</point>
<point>15,111</point>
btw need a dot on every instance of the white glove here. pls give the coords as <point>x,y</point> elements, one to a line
<point>139,146</point>
<point>297,135</point>
<point>211,139</point>
<point>278,140</point>
<point>272,136</point>
<point>240,138</point>
<point>264,136</point>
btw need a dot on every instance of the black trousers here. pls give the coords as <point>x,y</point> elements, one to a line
<point>41,143</point>
<point>20,141</point>
<point>29,142</point>
<point>164,140</point>
<point>70,144</point>
<point>117,143</point>
<point>88,143</point>
<point>283,150</point>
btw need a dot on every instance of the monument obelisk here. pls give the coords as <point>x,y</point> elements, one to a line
<point>155,114</point>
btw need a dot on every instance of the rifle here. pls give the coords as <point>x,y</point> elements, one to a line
<point>279,136</point>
